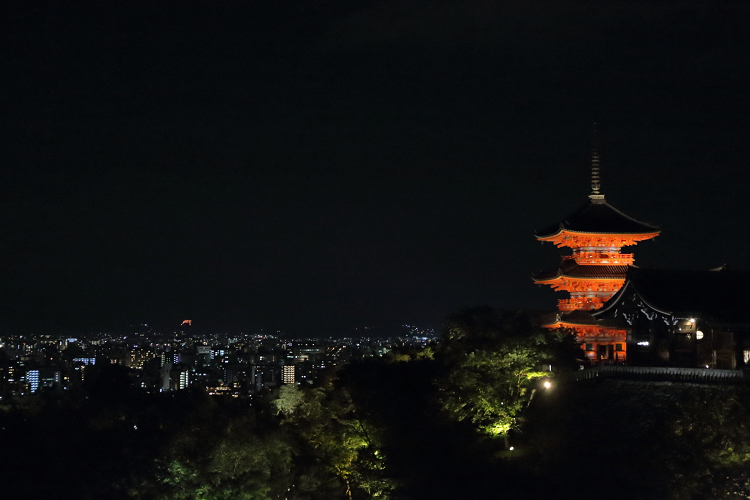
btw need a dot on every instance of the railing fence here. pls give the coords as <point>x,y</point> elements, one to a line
<point>698,375</point>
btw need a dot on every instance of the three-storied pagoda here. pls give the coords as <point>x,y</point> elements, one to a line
<point>595,270</point>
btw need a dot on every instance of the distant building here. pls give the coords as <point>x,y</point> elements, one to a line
<point>49,378</point>
<point>266,376</point>
<point>231,376</point>
<point>166,377</point>
<point>32,378</point>
<point>139,357</point>
<point>308,351</point>
<point>288,374</point>
<point>184,379</point>
<point>203,355</point>
<point>45,377</point>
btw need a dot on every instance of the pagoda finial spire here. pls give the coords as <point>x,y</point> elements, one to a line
<point>596,184</point>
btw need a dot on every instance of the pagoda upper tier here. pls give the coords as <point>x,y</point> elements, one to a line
<point>590,286</point>
<point>598,224</point>
<point>596,269</point>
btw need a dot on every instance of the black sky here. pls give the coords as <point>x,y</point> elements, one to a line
<point>318,166</point>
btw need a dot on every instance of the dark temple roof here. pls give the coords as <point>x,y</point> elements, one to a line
<point>598,216</point>
<point>722,295</point>
<point>571,269</point>
<point>577,317</point>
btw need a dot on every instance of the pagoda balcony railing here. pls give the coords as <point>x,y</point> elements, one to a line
<point>584,303</point>
<point>597,258</point>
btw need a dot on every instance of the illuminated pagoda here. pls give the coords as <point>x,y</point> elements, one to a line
<point>595,270</point>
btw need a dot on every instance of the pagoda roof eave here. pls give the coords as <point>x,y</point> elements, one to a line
<point>548,281</point>
<point>562,231</point>
<point>564,319</point>
<point>598,217</point>
<point>572,270</point>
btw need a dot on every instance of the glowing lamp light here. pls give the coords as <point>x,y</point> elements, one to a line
<point>699,335</point>
<point>511,448</point>
<point>547,384</point>
<point>643,343</point>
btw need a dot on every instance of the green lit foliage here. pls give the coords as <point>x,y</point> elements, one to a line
<point>289,397</point>
<point>241,464</point>
<point>405,354</point>
<point>312,444</point>
<point>492,359</point>
<point>396,357</point>
<point>338,455</point>
<point>218,449</point>
<point>491,388</point>
<point>426,353</point>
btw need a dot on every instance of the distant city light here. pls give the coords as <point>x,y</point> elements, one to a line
<point>643,343</point>
<point>243,363</point>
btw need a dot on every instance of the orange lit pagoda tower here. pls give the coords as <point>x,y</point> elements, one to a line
<point>595,270</point>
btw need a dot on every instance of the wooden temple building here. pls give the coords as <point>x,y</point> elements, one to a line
<point>650,317</point>
<point>595,269</point>
<point>682,317</point>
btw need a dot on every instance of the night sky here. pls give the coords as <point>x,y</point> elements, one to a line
<point>320,166</point>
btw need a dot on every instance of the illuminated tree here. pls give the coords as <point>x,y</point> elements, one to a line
<point>339,455</point>
<point>288,399</point>
<point>214,448</point>
<point>242,464</point>
<point>493,359</point>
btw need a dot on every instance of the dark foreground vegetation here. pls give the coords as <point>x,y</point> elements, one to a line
<point>430,424</point>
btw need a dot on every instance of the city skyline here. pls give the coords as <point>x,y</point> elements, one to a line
<point>319,168</point>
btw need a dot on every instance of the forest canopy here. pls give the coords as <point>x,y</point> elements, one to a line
<point>466,417</point>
